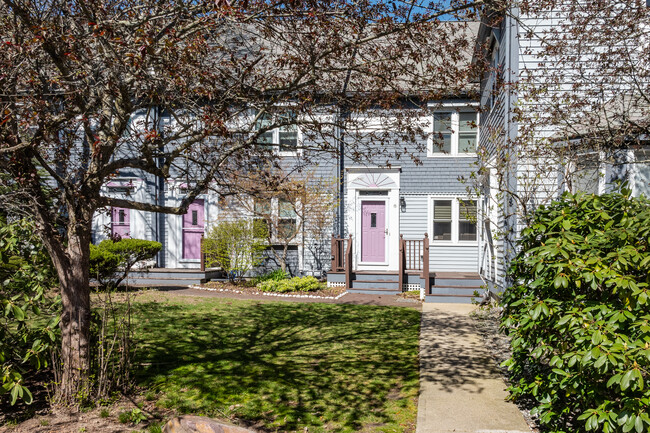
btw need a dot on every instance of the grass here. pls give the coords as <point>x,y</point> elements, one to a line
<point>281,366</point>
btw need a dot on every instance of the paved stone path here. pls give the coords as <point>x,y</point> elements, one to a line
<point>461,389</point>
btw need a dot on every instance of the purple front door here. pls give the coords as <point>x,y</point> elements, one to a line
<point>193,223</point>
<point>373,231</point>
<point>120,222</point>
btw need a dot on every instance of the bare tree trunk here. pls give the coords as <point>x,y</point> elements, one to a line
<point>75,318</point>
<point>283,259</point>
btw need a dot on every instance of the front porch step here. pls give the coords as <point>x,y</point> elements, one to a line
<point>375,276</point>
<point>171,277</point>
<point>152,282</point>
<point>455,290</point>
<point>369,284</point>
<point>457,279</point>
<point>454,287</point>
<point>375,291</point>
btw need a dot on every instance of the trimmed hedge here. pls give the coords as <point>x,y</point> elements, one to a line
<point>295,284</point>
<point>111,261</point>
<point>579,317</point>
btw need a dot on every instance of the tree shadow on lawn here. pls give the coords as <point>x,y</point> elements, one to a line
<point>283,366</point>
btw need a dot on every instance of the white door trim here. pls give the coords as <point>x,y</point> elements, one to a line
<point>384,181</point>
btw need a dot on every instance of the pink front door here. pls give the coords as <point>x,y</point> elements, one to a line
<point>120,222</point>
<point>193,224</point>
<point>373,231</point>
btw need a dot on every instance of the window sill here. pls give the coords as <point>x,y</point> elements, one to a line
<point>296,153</point>
<point>453,244</point>
<point>451,155</point>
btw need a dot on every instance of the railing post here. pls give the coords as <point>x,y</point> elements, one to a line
<point>401,261</point>
<point>348,264</point>
<point>202,256</point>
<point>425,265</point>
<point>335,255</point>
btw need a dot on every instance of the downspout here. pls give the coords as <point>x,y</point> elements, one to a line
<point>160,193</point>
<point>512,135</point>
<point>342,114</point>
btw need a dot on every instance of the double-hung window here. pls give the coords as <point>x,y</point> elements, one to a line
<point>601,172</point>
<point>262,213</point>
<point>454,133</point>
<point>279,216</point>
<point>454,220</point>
<point>467,220</point>
<point>283,138</point>
<point>287,219</point>
<point>442,220</point>
<point>589,174</point>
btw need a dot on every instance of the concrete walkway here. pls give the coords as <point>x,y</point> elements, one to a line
<point>461,389</point>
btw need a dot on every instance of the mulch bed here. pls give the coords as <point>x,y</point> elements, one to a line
<point>103,419</point>
<point>247,288</point>
<point>486,322</point>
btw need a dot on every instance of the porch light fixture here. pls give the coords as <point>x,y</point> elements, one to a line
<point>402,204</point>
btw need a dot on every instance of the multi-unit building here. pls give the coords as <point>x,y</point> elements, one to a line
<point>442,221</point>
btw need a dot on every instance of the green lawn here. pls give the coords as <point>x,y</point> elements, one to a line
<point>281,366</point>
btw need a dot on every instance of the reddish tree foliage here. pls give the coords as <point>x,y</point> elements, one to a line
<point>85,86</point>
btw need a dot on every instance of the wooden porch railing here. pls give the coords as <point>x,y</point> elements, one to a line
<point>414,256</point>
<point>202,256</point>
<point>342,257</point>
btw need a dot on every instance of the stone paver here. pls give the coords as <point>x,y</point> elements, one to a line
<point>461,389</point>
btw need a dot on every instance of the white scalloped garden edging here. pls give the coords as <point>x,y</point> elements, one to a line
<point>279,295</point>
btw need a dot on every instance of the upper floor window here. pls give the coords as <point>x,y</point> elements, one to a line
<point>284,138</point>
<point>454,133</point>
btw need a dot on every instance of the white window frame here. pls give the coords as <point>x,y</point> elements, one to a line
<point>605,180</point>
<point>274,213</point>
<point>635,170</point>
<point>275,141</point>
<point>601,172</point>
<point>455,219</point>
<point>432,148</point>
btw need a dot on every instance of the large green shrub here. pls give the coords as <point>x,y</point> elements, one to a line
<point>111,261</point>
<point>276,275</point>
<point>579,317</point>
<point>295,284</point>
<point>235,246</point>
<point>29,315</point>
